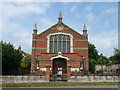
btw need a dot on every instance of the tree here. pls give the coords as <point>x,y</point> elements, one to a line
<point>116,57</point>
<point>102,59</point>
<point>11,58</point>
<point>25,62</point>
<point>93,57</point>
<point>93,53</point>
<point>92,63</point>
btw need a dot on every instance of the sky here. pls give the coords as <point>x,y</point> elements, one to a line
<point>101,18</point>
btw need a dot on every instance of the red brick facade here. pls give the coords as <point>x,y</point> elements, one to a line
<point>42,56</point>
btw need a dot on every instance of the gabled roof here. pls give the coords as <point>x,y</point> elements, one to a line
<point>56,25</point>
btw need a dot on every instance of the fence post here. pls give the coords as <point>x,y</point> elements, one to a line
<point>68,72</point>
<point>48,72</point>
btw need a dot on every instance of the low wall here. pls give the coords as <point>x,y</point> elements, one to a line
<point>35,79</point>
<point>94,79</point>
<point>22,79</point>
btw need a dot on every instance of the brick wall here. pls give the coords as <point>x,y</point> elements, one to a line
<point>39,48</point>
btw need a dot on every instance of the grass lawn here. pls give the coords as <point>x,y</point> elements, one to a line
<point>59,84</point>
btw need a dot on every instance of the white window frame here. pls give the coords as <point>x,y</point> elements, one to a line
<point>71,42</point>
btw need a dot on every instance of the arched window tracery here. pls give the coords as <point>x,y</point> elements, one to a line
<point>59,43</point>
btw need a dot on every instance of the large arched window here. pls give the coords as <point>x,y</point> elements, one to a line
<point>60,43</point>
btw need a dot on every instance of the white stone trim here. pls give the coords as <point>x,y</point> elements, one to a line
<point>59,56</point>
<point>74,69</point>
<point>43,69</point>
<point>71,36</point>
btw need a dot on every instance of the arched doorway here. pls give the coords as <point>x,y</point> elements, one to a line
<point>59,66</point>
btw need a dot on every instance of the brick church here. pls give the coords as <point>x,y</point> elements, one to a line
<point>59,50</point>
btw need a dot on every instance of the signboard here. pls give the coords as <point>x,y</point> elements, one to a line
<point>60,71</point>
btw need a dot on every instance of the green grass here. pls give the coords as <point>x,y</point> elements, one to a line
<point>59,84</point>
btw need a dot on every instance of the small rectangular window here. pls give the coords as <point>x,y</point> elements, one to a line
<point>38,65</point>
<point>81,65</point>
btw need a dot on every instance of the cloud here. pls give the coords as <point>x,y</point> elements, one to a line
<point>12,31</point>
<point>105,41</point>
<point>45,23</point>
<point>73,8</point>
<point>104,24</point>
<point>89,27</point>
<point>111,10</point>
<point>18,9</point>
<point>89,7</point>
<point>17,35</point>
<point>77,16</point>
<point>90,17</point>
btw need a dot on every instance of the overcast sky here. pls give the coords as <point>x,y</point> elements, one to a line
<point>18,20</point>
